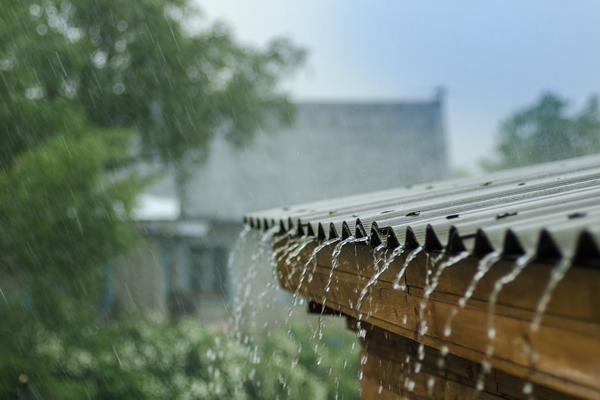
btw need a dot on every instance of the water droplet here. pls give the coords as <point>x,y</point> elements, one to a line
<point>118,88</point>
<point>35,10</point>
<point>122,26</point>
<point>120,46</point>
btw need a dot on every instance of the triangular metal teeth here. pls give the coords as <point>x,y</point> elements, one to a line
<point>410,241</point>
<point>547,251</point>
<point>266,225</point>
<point>392,239</point>
<point>309,230</point>
<point>512,247</point>
<point>251,222</point>
<point>300,230</point>
<point>282,228</point>
<point>321,236</point>
<point>374,238</point>
<point>290,224</point>
<point>587,253</point>
<point>332,231</point>
<point>482,244</point>
<point>455,243</point>
<point>346,232</point>
<point>360,230</point>
<point>432,243</point>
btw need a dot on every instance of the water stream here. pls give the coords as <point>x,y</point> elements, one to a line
<point>311,259</point>
<point>518,267</point>
<point>433,284</point>
<point>335,256</point>
<point>303,268</point>
<point>379,271</point>
<point>411,256</point>
<point>245,286</point>
<point>484,265</point>
<point>557,274</point>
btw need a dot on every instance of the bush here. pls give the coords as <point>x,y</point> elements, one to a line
<point>145,359</point>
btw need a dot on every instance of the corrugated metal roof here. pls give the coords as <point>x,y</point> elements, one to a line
<point>550,210</point>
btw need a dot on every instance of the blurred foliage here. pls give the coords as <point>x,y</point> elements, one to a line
<point>143,359</point>
<point>151,65</point>
<point>85,89</point>
<point>545,132</point>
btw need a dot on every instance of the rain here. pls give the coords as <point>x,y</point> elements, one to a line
<point>332,200</point>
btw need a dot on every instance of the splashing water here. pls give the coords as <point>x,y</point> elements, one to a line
<point>446,264</point>
<point>279,254</point>
<point>482,269</point>
<point>376,259</point>
<point>240,302</point>
<point>335,256</point>
<point>433,284</point>
<point>335,262</point>
<point>411,256</point>
<point>397,251</point>
<point>519,266</point>
<point>557,274</point>
<point>311,259</point>
<point>300,245</point>
<point>239,244</point>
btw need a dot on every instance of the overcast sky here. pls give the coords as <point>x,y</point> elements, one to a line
<point>493,57</point>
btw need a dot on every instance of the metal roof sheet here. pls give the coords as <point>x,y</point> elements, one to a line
<point>550,210</point>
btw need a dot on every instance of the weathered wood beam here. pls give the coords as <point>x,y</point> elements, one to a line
<point>564,354</point>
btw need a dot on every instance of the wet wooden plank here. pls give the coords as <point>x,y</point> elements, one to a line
<point>392,363</point>
<point>567,345</point>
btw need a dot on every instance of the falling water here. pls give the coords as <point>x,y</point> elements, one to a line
<point>557,274</point>
<point>311,258</point>
<point>245,286</point>
<point>519,266</point>
<point>435,280</point>
<point>482,269</point>
<point>239,244</point>
<point>376,259</point>
<point>335,256</point>
<point>300,245</point>
<point>446,264</point>
<point>411,256</point>
<point>397,251</point>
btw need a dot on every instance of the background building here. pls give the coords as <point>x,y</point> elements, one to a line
<point>332,150</point>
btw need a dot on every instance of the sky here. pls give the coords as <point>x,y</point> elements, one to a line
<point>492,57</point>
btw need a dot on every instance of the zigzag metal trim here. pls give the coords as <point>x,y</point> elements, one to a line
<point>550,212</point>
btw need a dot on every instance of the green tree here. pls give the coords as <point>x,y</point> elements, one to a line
<point>87,88</point>
<point>80,82</point>
<point>546,132</point>
<point>151,65</point>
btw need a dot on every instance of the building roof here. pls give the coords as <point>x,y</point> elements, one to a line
<point>332,150</point>
<point>550,210</point>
